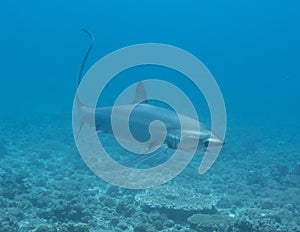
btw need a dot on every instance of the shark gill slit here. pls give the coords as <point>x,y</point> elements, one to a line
<point>172,141</point>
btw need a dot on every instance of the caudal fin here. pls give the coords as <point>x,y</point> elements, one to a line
<point>80,104</point>
<point>86,55</point>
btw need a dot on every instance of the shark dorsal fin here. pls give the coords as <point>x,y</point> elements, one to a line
<point>140,94</point>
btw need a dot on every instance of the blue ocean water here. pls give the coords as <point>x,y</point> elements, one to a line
<point>252,49</point>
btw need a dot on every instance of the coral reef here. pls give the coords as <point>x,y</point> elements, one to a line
<point>177,197</point>
<point>45,186</point>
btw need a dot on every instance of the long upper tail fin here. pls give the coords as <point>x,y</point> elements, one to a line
<point>86,55</point>
<point>80,74</point>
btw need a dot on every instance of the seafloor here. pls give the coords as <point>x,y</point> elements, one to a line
<point>45,185</point>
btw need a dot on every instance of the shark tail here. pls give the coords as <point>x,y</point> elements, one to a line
<point>79,102</point>
<point>86,55</point>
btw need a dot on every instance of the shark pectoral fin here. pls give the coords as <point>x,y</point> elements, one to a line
<point>143,158</point>
<point>188,143</point>
<point>140,94</point>
<point>79,130</point>
<point>152,148</point>
<point>159,149</point>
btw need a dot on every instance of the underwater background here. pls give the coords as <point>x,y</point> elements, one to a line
<point>252,49</point>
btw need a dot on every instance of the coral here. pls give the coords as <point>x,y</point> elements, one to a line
<point>176,201</point>
<point>158,224</point>
<point>113,191</point>
<point>169,223</point>
<point>175,197</point>
<point>44,228</point>
<point>114,221</point>
<point>244,226</point>
<point>267,203</point>
<point>125,209</point>
<point>123,226</point>
<point>208,222</point>
<point>143,228</point>
<point>7,224</point>
<point>255,178</point>
<point>78,227</point>
<point>223,203</point>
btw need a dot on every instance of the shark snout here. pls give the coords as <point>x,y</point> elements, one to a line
<point>214,141</point>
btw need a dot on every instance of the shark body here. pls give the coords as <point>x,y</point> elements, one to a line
<point>142,116</point>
